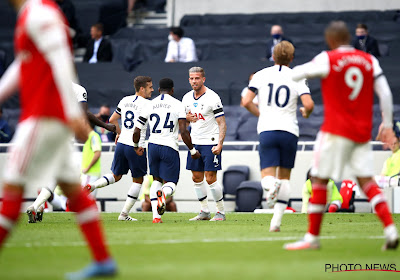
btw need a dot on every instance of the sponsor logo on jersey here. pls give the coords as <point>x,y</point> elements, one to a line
<point>195,104</point>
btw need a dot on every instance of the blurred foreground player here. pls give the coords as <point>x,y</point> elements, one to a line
<point>49,116</point>
<point>349,78</point>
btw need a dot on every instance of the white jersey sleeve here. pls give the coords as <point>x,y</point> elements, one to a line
<point>318,67</point>
<point>48,32</point>
<point>80,92</point>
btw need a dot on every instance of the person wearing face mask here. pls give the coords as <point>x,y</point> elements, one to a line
<point>365,42</point>
<point>276,37</point>
<point>104,115</point>
<point>180,49</point>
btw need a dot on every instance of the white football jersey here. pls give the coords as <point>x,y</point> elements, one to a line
<point>130,108</point>
<point>80,92</point>
<point>162,113</point>
<point>277,98</point>
<point>207,107</point>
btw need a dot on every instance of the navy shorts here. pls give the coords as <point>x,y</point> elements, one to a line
<point>207,162</point>
<point>277,148</point>
<point>164,162</point>
<point>125,159</point>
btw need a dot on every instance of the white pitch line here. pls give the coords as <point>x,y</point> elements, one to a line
<point>179,241</point>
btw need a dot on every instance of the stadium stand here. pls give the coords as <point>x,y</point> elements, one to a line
<point>233,177</point>
<point>248,196</point>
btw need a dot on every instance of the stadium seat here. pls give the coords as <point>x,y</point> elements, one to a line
<point>249,196</point>
<point>233,176</point>
<point>383,49</point>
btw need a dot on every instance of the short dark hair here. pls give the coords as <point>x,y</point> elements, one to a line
<point>177,31</point>
<point>141,81</point>
<point>362,25</point>
<point>337,30</point>
<point>166,84</point>
<point>99,26</point>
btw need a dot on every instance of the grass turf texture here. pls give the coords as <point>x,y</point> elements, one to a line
<point>239,248</point>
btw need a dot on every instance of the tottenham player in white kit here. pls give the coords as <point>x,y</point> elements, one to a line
<point>206,116</point>
<point>164,114</point>
<point>35,211</point>
<point>125,158</point>
<point>277,125</point>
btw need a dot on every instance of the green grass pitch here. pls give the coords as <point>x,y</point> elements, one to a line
<point>239,248</point>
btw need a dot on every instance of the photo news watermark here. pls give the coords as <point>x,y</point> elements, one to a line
<point>346,267</point>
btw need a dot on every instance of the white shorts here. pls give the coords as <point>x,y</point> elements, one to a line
<point>41,153</point>
<point>332,153</point>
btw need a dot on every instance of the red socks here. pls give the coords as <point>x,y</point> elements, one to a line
<point>9,212</point>
<point>316,208</point>
<point>378,202</point>
<point>88,219</point>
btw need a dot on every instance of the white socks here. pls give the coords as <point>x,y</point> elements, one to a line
<point>201,192</point>
<point>281,204</point>
<point>133,195</point>
<point>155,186</point>
<point>268,182</point>
<point>216,191</point>
<point>106,180</point>
<point>43,196</point>
<point>168,189</point>
<point>59,201</point>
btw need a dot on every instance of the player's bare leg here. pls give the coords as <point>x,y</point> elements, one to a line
<point>216,191</point>
<point>379,204</point>
<point>316,210</point>
<point>200,187</point>
<point>10,209</point>
<point>88,218</point>
<point>132,196</point>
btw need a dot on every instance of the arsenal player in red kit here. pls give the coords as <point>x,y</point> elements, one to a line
<point>43,71</point>
<point>349,78</point>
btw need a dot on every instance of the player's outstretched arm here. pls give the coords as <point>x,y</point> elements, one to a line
<point>9,83</point>
<point>216,150</point>
<point>185,134</point>
<point>95,121</point>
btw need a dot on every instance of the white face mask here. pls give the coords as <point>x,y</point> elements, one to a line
<point>170,38</point>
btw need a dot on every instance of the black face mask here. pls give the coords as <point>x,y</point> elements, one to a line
<point>104,118</point>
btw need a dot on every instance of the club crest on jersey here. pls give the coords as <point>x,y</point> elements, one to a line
<point>195,104</point>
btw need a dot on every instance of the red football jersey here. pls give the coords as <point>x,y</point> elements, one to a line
<point>40,94</point>
<point>348,95</point>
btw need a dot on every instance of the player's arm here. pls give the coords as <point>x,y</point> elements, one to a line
<point>95,121</point>
<point>317,68</point>
<point>140,124</point>
<point>185,134</point>
<point>216,150</point>
<point>308,105</point>
<point>114,120</point>
<point>248,103</point>
<point>384,94</point>
<point>9,83</point>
